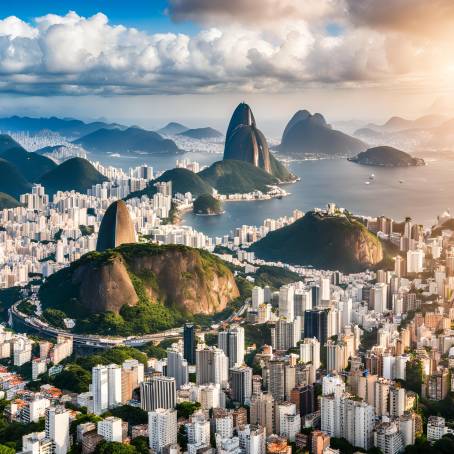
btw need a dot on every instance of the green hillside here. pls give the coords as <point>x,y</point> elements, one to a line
<point>74,174</point>
<point>326,242</point>
<point>385,156</point>
<point>231,177</point>
<point>12,181</point>
<point>6,201</point>
<point>207,204</point>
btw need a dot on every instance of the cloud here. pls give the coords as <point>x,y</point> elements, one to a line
<point>74,55</point>
<point>421,17</point>
<point>250,12</point>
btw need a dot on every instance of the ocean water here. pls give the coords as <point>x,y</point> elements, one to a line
<point>419,192</point>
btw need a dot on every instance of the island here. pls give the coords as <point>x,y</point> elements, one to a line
<point>207,205</point>
<point>385,156</point>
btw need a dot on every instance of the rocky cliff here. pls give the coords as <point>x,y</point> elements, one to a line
<point>327,242</point>
<point>188,280</point>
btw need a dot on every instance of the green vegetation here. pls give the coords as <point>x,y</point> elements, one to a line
<point>443,446</point>
<point>274,276</point>
<point>76,376</point>
<point>257,334</point>
<point>154,351</point>
<point>326,242</point>
<point>207,204</point>
<point>60,295</point>
<point>11,432</point>
<point>385,156</point>
<point>76,174</point>
<point>31,165</point>
<point>6,201</point>
<point>113,447</point>
<point>12,181</point>
<point>26,307</point>
<point>279,170</point>
<point>132,415</point>
<point>186,409</point>
<point>8,297</point>
<point>232,177</point>
<point>86,230</point>
<point>414,375</point>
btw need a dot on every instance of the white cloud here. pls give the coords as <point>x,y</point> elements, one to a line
<point>76,55</point>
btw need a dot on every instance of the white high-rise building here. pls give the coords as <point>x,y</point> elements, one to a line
<point>158,392</point>
<point>415,261</point>
<point>241,384</point>
<point>380,297</point>
<point>310,351</point>
<point>397,401</point>
<point>100,389</point>
<point>388,438</point>
<point>258,297</point>
<point>343,416</point>
<point>325,290</point>
<point>252,439</point>
<point>232,344</point>
<point>289,420</point>
<point>111,428</point>
<point>57,428</point>
<point>211,366</point>
<point>286,302</point>
<point>37,443</point>
<point>177,367</point>
<point>162,428</point>
<point>114,385</point>
<point>198,432</point>
<point>286,334</point>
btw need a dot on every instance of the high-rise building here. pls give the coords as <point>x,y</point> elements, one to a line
<point>397,400</point>
<point>388,438</point>
<point>223,421</point>
<point>415,261</point>
<point>276,383</point>
<point>111,428</point>
<point>286,334</point>
<point>325,291</point>
<point>132,375</point>
<point>379,296</point>
<point>316,324</point>
<point>289,420</point>
<point>252,439</point>
<point>310,351</point>
<point>303,397</point>
<point>177,367</point>
<point>232,344</point>
<point>162,428</point>
<point>262,412</point>
<point>37,443</point>
<point>57,428</point>
<point>286,302</point>
<point>198,432</point>
<point>114,385</point>
<point>241,384</point>
<point>158,392</point>
<point>211,366</point>
<point>258,297</point>
<point>100,389</point>
<point>302,302</point>
<point>189,343</point>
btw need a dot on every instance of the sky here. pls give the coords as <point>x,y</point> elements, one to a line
<point>146,62</point>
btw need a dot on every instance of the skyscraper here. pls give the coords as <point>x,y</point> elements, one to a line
<point>114,385</point>
<point>241,384</point>
<point>286,302</point>
<point>316,324</point>
<point>189,343</point>
<point>177,367</point>
<point>232,343</point>
<point>158,392</point>
<point>100,389</point>
<point>211,366</point>
<point>57,428</point>
<point>162,428</point>
<point>262,412</point>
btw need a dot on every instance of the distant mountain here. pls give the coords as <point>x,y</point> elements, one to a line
<point>74,174</point>
<point>232,177</point>
<point>322,241</point>
<point>30,164</point>
<point>6,201</point>
<point>127,141</point>
<point>12,182</point>
<point>172,129</point>
<point>201,133</point>
<point>395,124</point>
<point>311,134</point>
<point>385,156</point>
<point>65,126</point>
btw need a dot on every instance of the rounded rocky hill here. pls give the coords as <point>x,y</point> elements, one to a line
<point>327,242</point>
<point>187,280</point>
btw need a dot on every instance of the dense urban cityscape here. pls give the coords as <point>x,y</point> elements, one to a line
<point>185,272</point>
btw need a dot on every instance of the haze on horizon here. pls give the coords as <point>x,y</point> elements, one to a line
<point>193,60</point>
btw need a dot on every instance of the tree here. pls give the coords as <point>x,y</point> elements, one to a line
<point>186,409</point>
<point>113,447</point>
<point>141,445</point>
<point>132,415</point>
<point>6,450</point>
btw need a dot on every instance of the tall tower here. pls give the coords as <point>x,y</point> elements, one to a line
<point>189,343</point>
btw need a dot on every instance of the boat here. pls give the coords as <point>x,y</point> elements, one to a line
<point>372,176</point>
<point>367,182</point>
